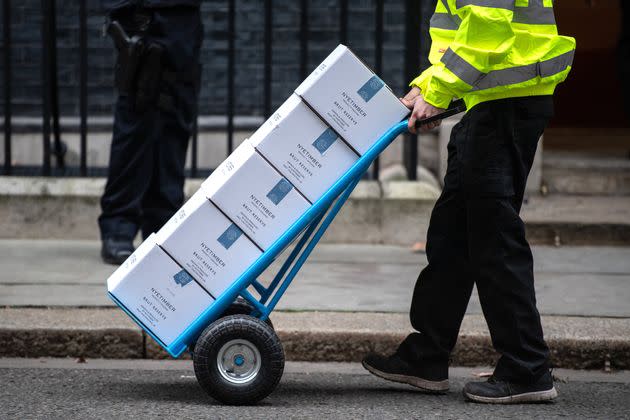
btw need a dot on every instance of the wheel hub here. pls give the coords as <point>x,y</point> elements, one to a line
<point>238,361</point>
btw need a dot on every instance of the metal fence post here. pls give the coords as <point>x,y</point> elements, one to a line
<point>83,85</point>
<point>195,141</point>
<point>268,39</point>
<point>54,86</point>
<point>46,12</point>
<point>304,39</point>
<point>343,22</point>
<point>413,17</point>
<point>378,63</point>
<point>230,75</point>
<point>6,18</point>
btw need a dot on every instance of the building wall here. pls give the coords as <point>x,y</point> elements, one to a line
<point>26,53</point>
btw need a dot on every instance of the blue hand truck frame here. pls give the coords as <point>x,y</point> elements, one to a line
<point>237,356</point>
<point>313,228</point>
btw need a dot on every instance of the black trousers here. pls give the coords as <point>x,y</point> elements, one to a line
<point>476,236</point>
<point>148,152</point>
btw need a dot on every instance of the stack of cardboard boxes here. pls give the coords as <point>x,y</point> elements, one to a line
<point>256,194</point>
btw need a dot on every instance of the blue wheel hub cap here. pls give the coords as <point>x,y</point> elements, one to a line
<point>239,360</point>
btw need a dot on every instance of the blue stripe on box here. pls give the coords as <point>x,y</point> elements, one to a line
<point>279,191</point>
<point>325,140</point>
<point>231,234</point>
<point>370,88</point>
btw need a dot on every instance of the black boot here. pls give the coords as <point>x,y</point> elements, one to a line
<point>116,250</point>
<point>496,391</point>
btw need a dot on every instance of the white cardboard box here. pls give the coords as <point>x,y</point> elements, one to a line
<point>162,295</point>
<point>303,148</point>
<point>207,244</point>
<point>255,196</point>
<point>352,99</point>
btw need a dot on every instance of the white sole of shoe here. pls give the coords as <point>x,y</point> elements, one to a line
<point>423,384</point>
<point>527,397</point>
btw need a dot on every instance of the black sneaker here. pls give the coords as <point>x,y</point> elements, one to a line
<point>116,250</point>
<point>395,368</point>
<point>496,391</point>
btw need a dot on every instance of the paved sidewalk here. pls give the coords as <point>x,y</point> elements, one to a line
<point>575,281</point>
<point>348,300</point>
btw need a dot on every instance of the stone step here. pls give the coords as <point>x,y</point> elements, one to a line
<point>395,213</point>
<point>586,174</point>
<point>577,220</point>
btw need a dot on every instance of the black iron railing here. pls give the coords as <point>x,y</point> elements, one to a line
<point>6,62</point>
<point>53,146</point>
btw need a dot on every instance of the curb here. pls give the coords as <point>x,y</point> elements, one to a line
<point>575,342</point>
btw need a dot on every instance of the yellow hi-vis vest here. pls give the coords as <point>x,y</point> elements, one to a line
<point>492,49</point>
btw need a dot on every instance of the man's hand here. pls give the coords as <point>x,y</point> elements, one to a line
<point>420,110</point>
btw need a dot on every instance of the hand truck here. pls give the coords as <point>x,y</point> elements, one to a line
<point>238,358</point>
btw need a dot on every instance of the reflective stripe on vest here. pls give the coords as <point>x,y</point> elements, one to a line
<point>455,18</point>
<point>443,21</point>
<point>518,74</point>
<point>534,14</point>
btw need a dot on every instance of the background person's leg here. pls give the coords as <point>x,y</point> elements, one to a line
<point>129,172</point>
<point>165,194</point>
<point>180,31</point>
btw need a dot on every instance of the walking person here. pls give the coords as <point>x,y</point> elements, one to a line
<point>157,78</point>
<point>504,58</point>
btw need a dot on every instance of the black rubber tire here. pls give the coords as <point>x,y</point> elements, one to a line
<point>239,307</point>
<point>242,307</point>
<point>242,327</point>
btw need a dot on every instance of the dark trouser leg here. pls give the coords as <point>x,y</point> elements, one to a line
<point>444,286</point>
<point>494,155</point>
<point>504,142</point>
<point>504,266</point>
<point>146,172</point>
<point>129,171</point>
<point>166,191</point>
<point>181,33</point>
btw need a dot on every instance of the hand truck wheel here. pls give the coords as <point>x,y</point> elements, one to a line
<point>238,360</point>
<point>242,307</point>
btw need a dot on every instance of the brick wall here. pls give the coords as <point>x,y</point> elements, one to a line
<point>26,22</point>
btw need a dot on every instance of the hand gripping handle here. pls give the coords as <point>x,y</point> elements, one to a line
<point>455,108</point>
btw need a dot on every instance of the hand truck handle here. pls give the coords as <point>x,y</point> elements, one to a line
<point>455,108</point>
